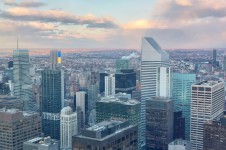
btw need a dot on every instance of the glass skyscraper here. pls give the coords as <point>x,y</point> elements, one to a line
<point>52,101</point>
<point>182,97</point>
<point>22,80</point>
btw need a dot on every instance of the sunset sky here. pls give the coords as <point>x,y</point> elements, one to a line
<point>112,23</point>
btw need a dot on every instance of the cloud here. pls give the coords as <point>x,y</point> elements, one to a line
<point>29,3</point>
<point>57,16</point>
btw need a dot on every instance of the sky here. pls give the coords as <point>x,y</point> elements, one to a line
<point>174,24</point>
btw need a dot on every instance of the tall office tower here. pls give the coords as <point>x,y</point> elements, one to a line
<point>52,101</point>
<point>121,64</point>
<point>215,134</point>
<point>110,134</point>
<point>22,80</point>
<point>109,85</point>
<point>125,81</point>
<point>178,126</point>
<point>182,97</point>
<point>159,123</point>
<point>136,94</point>
<point>40,143</point>
<point>16,127</point>
<point>68,127</point>
<point>55,58</point>
<point>92,99</point>
<point>102,81</point>
<point>152,57</point>
<point>80,109</point>
<point>207,103</point>
<point>214,57</point>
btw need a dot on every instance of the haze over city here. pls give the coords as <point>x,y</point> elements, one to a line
<point>112,24</point>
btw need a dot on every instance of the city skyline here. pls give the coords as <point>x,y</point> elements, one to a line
<point>96,24</point>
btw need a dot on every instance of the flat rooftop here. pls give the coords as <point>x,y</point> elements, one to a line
<point>104,125</point>
<point>47,141</point>
<point>179,142</point>
<point>110,99</point>
<point>208,83</point>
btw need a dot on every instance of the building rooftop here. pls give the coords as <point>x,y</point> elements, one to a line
<point>117,99</point>
<point>208,83</point>
<point>104,125</point>
<point>179,142</point>
<point>46,141</point>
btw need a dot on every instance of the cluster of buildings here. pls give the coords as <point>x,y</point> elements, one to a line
<point>153,106</point>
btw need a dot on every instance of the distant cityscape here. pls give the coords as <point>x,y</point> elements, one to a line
<point>151,99</point>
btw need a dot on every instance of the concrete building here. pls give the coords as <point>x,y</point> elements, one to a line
<point>109,85</point>
<point>68,127</point>
<point>40,143</point>
<point>111,134</point>
<point>22,80</point>
<point>11,102</point>
<point>207,103</point>
<point>152,57</point>
<point>16,127</point>
<point>215,134</point>
<point>179,144</point>
<point>159,123</point>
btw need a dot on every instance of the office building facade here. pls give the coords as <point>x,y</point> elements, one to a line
<point>159,123</point>
<point>110,134</point>
<point>215,134</point>
<point>81,109</point>
<point>181,95</point>
<point>125,81</point>
<point>68,127</point>
<point>52,101</point>
<point>207,103</point>
<point>109,85</point>
<point>152,57</point>
<point>22,80</point>
<point>16,127</point>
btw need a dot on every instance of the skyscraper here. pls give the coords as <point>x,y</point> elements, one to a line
<point>182,97</point>
<point>207,103</point>
<point>52,100</point>
<point>110,85</point>
<point>152,57</point>
<point>55,58</point>
<point>214,61</point>
<point>16,127</point>
<point>121,64</point>
<point>80,108</point>
<point>125,81</point>
<point>159,123</point>
<point>102,81</point>
<point>68,127</point>
<point>22,79</point>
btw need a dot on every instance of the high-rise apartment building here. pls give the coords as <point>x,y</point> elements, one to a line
<point>110,134</point>
<point>55,58</point>
<point>214,61</point>
<point>159,123</point>
<point>52,100</point>
<point>22,80</point>
<point>207,103</point>
<point>16,127</point>
<point>182,97</point>
<point>125,81</point>
<point>109,85</point>
<point>68,127</point>
<point>102,81</point>
<point>121,64</point>
<point>152,57</point>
